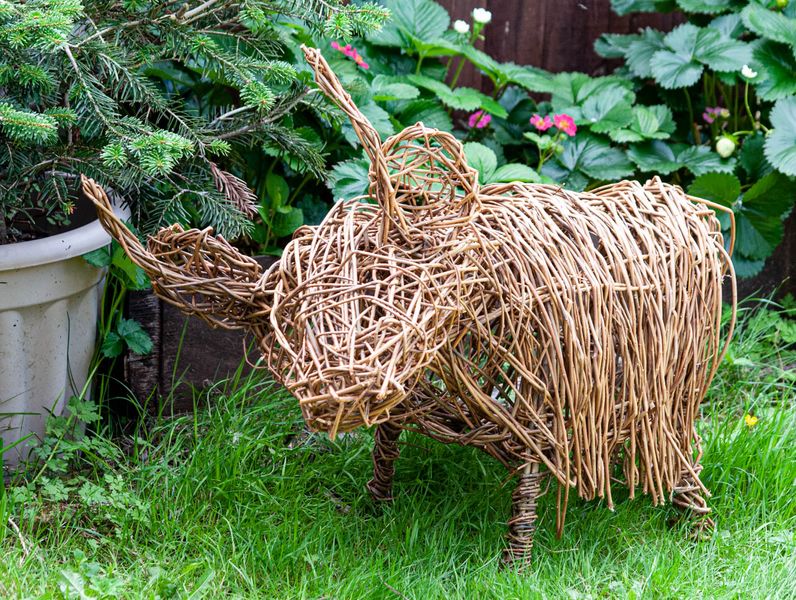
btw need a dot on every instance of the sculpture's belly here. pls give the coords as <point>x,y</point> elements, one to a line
<point>591,340</point>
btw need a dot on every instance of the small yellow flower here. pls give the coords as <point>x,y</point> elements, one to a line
<point>750,420</point>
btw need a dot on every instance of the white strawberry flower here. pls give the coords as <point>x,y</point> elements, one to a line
<point>482,16</point>
<point>747,72</point>
<point>460,26</point>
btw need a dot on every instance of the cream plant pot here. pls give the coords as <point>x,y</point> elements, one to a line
<point>49,301</point>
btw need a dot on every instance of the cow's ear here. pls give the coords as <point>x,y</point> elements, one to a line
<point>428,173</point>
<point>419,177</point>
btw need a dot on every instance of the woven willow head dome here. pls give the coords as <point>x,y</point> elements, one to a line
<point>566,334</point>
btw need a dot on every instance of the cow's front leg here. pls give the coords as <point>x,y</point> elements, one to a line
<point>385,451</point>
<point>689,497</point>
<point>523,519</point>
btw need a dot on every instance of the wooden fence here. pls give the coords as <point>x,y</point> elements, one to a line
<point>557,35</point>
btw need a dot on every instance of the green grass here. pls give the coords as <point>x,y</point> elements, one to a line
<point>235,502</point>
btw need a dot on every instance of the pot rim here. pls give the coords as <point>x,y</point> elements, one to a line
<point>58,247</point>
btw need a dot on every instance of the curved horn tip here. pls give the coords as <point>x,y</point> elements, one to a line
<point>309,53</point>
<point>93,190</point>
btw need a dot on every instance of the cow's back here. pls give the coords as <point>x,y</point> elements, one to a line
<point>590,336</point>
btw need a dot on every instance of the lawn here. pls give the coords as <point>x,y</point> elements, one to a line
<point>237,501</point>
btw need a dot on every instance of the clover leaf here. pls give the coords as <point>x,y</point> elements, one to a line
<point>776,67</point>
<point>482,159</point>
<point>428,112</point>
<point>461,98</point>
<point>387,88</point>
<point>780,146</point>
<point>349,179</point>
<point>615,45</point>
<point>758,213</point>
<point>640,52</point>
<point>701,159</point>
<point>574,89</point>
<point>412,22</point>
<point>515,172</point>
<point>130,333</point>
<point>689,48</point>
<point>654,157</point>
<point>753,160</point>
<point>587,155</point>
<point>607,110</point>
<point>707,7</point>
<point>658,157</point>
<point>677,66</point>
<point>623,7</point>
<point>769,24</point>
<point>647,122</point>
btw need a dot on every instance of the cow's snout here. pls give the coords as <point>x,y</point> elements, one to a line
<point>342,398</point>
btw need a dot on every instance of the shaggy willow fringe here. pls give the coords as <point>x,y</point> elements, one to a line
<point>574,331</point>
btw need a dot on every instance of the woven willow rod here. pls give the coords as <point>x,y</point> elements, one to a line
<point>570,335</point>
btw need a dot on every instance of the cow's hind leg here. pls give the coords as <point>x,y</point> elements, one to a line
<point>689,497</point>
<point>523,519</point>
<point>385,451</point>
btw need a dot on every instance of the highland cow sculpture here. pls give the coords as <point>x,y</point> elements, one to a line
<point>566,334</point>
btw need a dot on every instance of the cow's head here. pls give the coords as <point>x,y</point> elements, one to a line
<point>361,304</point>
<point>356,308</point>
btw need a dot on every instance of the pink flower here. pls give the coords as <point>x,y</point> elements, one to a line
<point>479,119</point>
<point>351,52</point>
<point>715,112</point>
<point>540,123</point>
<point>565,123</point>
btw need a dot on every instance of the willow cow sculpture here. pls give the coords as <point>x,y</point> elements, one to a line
<point>570,335</point>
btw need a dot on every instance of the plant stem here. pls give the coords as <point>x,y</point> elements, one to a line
<point>456,73</point>
<point>735,116</point>
<point>694,128</point>
<point>746,103</point>
<point>303,182</point>
<point>447,67</point>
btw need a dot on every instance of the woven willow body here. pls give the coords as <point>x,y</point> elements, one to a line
<point>566,333</point>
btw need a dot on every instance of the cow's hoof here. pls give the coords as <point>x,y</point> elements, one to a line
<point>380,494</point>
<point>701,527</point>
<point>516,560</point>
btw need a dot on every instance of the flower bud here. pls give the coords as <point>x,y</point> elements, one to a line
<point>747,72</point>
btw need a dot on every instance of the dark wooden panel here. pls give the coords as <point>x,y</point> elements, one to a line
<point>195,356</point>
<point>187,354</point>
<point>142,373</point>
<point>557,35</point>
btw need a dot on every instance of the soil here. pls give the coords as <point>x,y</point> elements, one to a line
<point>24,230</point>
